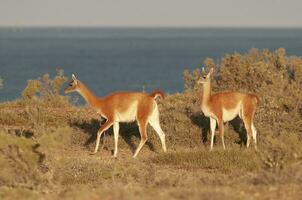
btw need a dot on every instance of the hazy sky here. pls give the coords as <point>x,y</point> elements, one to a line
<point>151,13</point>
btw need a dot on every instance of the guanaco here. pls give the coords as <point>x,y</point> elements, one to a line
<point>123,107</point>
<point>225,106</point>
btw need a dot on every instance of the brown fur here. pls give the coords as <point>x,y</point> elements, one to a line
<point>229,100</point>
<point>121,107</point>
<point>120,101</point>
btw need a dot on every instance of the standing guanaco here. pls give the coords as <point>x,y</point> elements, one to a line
<point>225,106</point>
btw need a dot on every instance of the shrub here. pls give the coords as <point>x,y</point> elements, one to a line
<point>19,161</point>
<point>41,108</point>
<point>45,87</point>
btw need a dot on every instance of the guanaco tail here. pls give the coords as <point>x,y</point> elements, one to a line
<point>225,106</point>
<point>123,107</point>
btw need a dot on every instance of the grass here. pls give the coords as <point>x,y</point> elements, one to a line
<point>56,139</point>
<point>239,160</point>
<point>19,161</point>
<point>78,171</point>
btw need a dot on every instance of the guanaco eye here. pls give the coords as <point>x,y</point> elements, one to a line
<point>70,84</point>
<point>204,77</point>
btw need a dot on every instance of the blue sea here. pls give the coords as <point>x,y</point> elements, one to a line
<point>132,59</point>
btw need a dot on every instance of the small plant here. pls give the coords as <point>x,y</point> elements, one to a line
<point>1,83</point>
<point>44,87</point>
<point>275,161</point>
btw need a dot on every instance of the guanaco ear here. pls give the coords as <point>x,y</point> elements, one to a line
<point>74,79</point>
<point>210,72</point>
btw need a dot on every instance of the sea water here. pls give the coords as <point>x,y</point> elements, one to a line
<point>126,59</point>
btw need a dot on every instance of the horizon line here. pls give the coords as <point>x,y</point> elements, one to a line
<point>149,27</point>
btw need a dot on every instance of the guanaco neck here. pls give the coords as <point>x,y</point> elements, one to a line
<point>90,98</point>
<point>206,93</point>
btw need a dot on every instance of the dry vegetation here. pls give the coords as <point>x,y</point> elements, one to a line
<point>45,141</point>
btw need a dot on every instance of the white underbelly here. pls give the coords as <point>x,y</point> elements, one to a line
<point>230,114</point>
<point>127,116</point>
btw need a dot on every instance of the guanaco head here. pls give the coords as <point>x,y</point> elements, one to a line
<point>205,78</point>
<point>72,86</point>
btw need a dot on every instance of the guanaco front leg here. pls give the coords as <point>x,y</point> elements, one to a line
<point>116,128</point>
<point>104,127</point>
<point>213,127</point>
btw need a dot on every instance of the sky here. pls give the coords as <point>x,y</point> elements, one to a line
<point>151,13</point>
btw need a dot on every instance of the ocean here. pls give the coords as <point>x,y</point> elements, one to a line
<point>128,59</point>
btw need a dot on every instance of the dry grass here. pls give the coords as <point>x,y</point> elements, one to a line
<point>45,142</point>
<point>238,159</point>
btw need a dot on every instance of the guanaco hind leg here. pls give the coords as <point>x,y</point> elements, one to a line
<point>154,122</point>
<point>221,132</point>
<point>144,112</point>
<point>143,132</point>
<point>254,131</point>
<point>248,128</point>
<point>248,112</point>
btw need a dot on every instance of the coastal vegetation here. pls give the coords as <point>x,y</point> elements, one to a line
<point>45,140</point>
<point>1,82</point>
